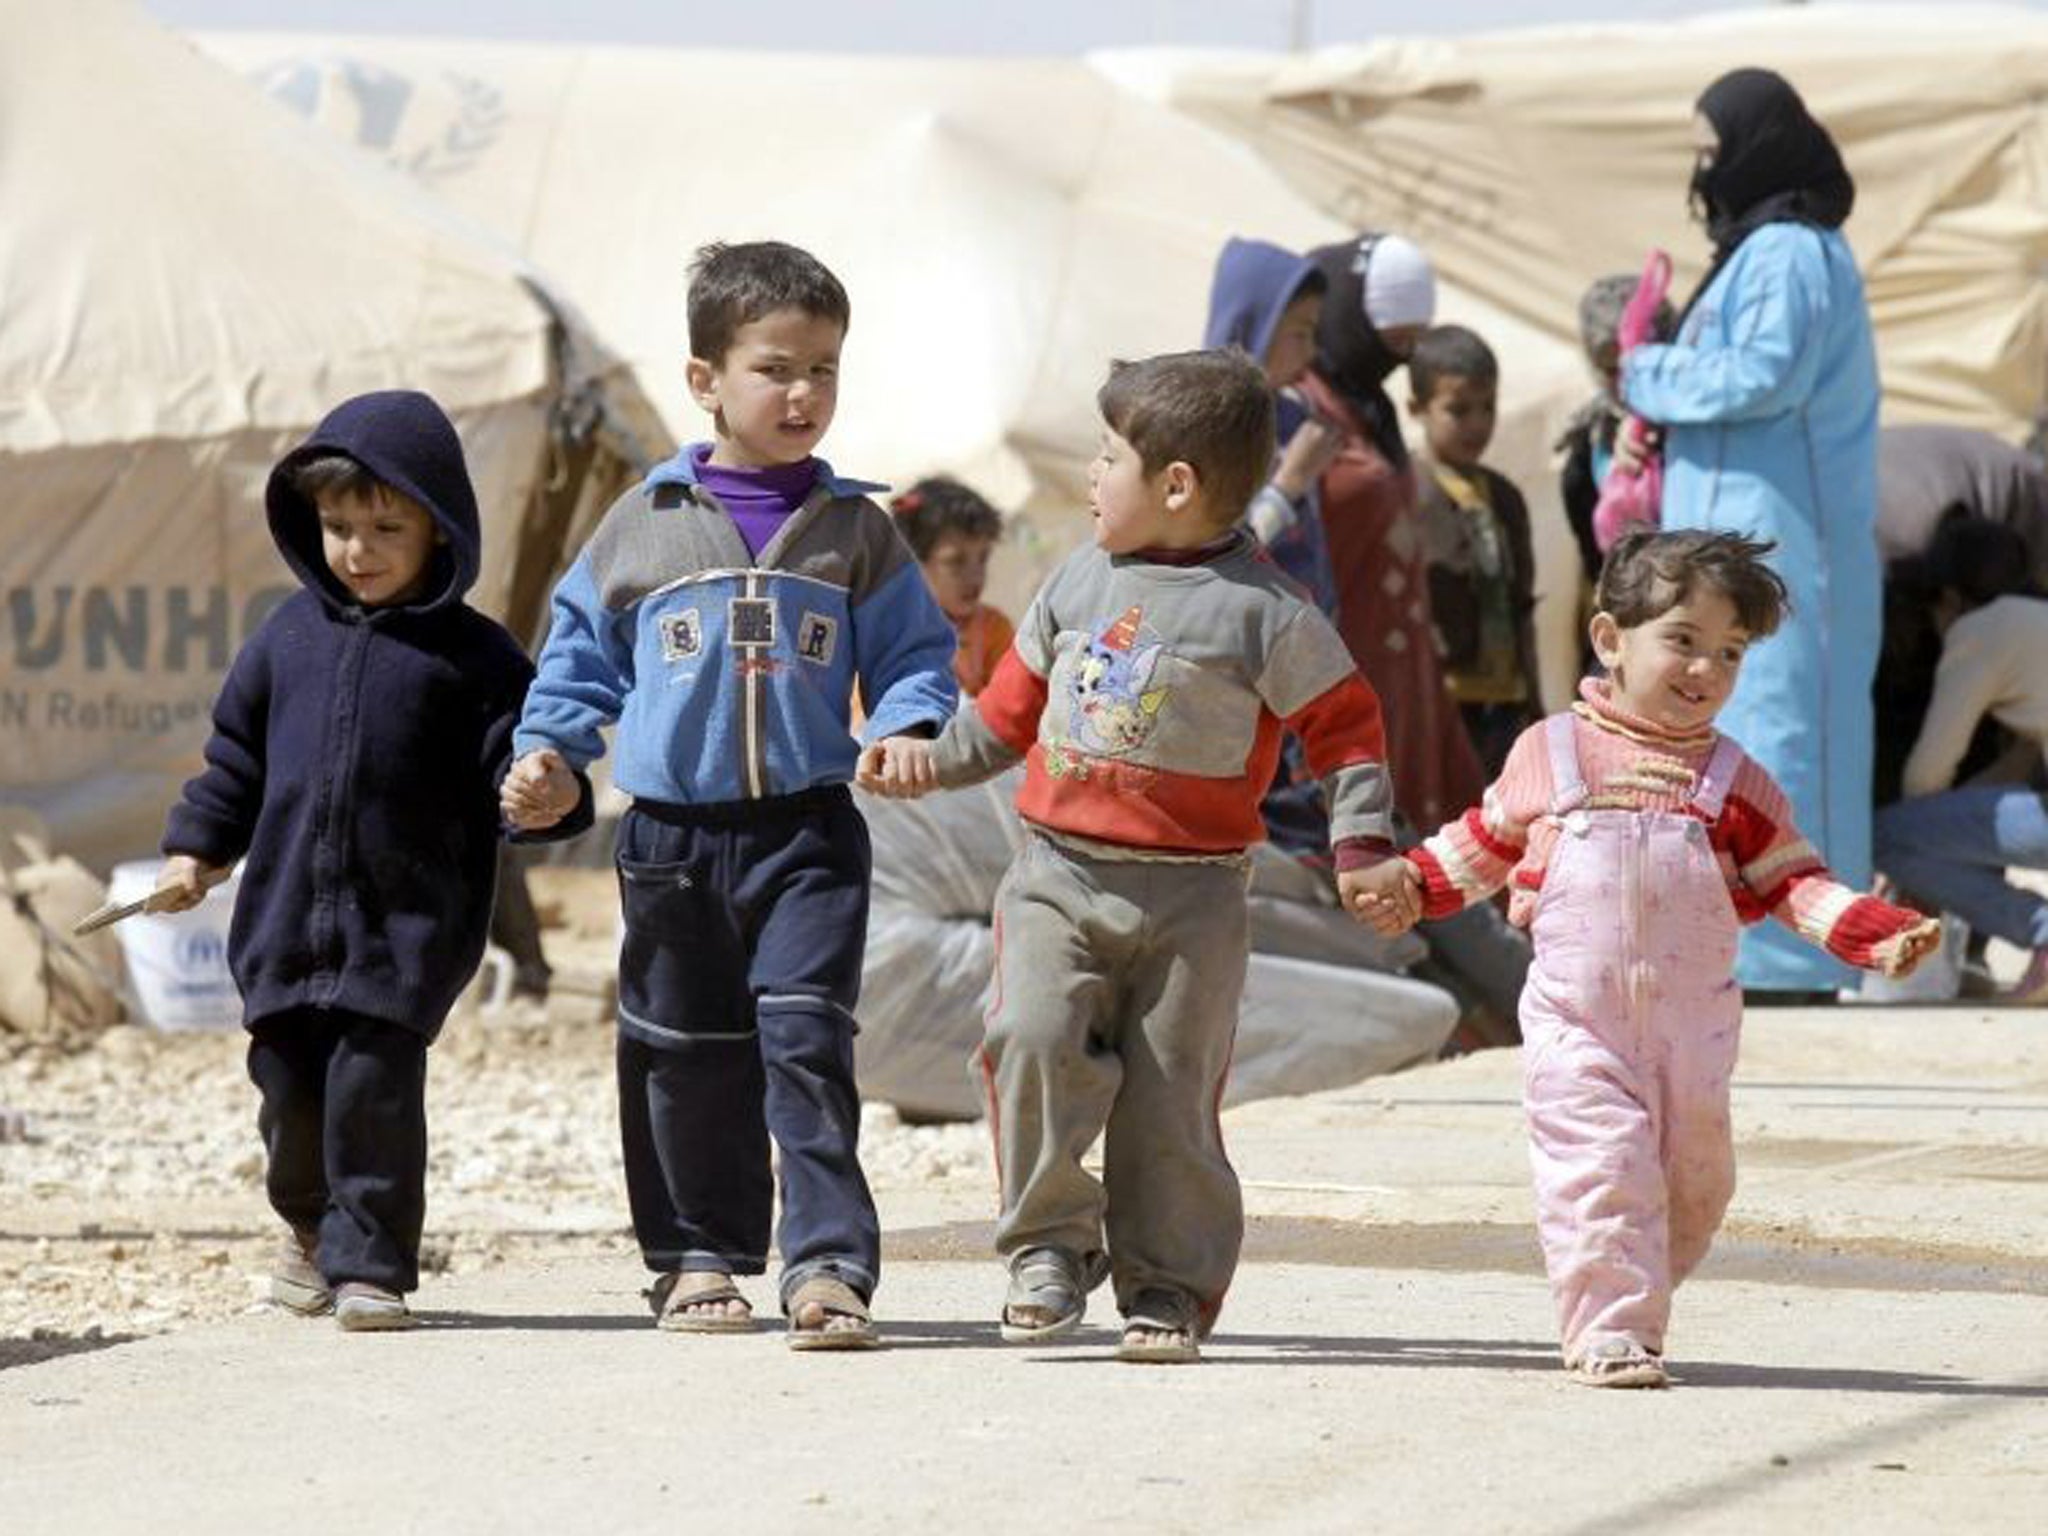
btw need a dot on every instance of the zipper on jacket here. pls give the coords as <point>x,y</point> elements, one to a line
<point>751,745</point>
<point>329,815</point>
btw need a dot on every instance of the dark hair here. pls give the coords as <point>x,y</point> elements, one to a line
<point>937,506</point>
<point>1648,574</point>
<point>1977,559</point>
<point>734,285</point>
<point>1211,410</point>
<point>1450,352</point>
<point>338,475</point>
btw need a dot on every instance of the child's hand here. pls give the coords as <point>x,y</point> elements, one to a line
<point>1312,449</point>
<point>1635,444</point>
<point>538,791</point>
<point>183,883</point>
<point>1386,897</point>
<point>1903,955</point>
<point>897,768</point>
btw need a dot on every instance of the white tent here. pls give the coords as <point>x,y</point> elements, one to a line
<point>189,279</point>
<point>1531,162</point>
<point>1005,228</point>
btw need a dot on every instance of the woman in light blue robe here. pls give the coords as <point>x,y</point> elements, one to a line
<point>1768,401</point>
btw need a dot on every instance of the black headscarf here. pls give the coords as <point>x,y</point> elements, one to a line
<point>1774,163</point>
<point>1350,356</point>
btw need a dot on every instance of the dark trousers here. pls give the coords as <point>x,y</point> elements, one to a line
<point>344,1124</point>
<point>745,927</point>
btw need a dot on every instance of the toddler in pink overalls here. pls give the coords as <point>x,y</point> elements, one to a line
<point>1639,841</point>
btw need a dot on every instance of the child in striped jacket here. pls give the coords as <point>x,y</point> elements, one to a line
<point>1639,841</point>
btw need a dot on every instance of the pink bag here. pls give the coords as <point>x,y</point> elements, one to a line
<point>1631,498</point>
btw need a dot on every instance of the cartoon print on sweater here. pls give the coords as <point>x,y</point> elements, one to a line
<point>1112,708</point>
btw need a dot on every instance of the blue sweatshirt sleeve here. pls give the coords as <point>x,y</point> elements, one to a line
<point>497,758</point>
<point>1765,361</point>
<point>585,673</point>
<point>903,653</point>
<point>215,820</point>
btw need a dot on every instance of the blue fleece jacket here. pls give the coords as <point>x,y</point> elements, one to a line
<point>356,753</point>
<point>730,674</point>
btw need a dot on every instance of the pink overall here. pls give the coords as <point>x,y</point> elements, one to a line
<point>1630,1021</point>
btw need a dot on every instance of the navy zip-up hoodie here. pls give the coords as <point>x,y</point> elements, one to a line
<point>357,752</point>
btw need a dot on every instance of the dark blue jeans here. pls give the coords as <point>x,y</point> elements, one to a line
<point>745,926</point>
<point>344,1124</point>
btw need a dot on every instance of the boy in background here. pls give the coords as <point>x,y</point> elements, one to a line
<point>1475,531</point>
<point>953,530</point>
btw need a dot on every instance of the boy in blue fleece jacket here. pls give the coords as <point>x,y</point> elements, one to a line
<point>357,748</point>
<point>721,614</point>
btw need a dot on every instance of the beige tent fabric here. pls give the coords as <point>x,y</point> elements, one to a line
<point>1005,228</point>
<point>189,279</point>
<point>1530,163</point>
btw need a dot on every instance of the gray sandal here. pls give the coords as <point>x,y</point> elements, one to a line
<point>296,1283</point>
<point>1156,1311</point>
<point>1053,1283</point>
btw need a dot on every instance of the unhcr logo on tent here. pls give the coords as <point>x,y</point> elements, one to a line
<point>433,129</point>
<point>200,949</point>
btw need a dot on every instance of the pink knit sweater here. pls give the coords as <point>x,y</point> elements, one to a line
<point>1630,764</point>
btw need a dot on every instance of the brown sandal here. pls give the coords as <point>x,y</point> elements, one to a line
<point>833,1299</point>
<point>675,1294</point>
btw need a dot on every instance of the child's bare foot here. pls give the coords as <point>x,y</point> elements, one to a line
<point>700,1301</point>
<point>826,1313</point>
<point>1160,1329</point>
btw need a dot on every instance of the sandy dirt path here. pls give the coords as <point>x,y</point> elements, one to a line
<point>1868,1349</point>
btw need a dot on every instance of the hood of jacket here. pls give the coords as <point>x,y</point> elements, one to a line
<point>407,441</point>
<point>1254,283</point>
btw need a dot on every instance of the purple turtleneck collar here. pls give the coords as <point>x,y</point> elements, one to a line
<point>760,500</point>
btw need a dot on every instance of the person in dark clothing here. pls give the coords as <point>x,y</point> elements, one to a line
<point>357,748</point>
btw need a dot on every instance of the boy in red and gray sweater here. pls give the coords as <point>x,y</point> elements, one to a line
<point>1146,692</point>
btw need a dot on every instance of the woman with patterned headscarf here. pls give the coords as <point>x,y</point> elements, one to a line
<point>1768,399</point>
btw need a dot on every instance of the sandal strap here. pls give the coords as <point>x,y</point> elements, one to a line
<point>694,1287</point>
<point>832,1294</point>
<point>1163,1311</point>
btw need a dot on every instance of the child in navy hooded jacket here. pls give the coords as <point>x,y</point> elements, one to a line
<point>721,615</point>
<point>358,744</point>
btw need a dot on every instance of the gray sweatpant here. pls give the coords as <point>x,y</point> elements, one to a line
<point>1116,1000</point>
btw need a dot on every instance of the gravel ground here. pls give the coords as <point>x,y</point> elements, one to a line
<point>131,1194</point>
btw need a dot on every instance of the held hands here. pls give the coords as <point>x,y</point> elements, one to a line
<point>1902,956</point>
<point>538,791</point>
<point>1387,897</point>
<point>183,883</point>
<point>897,768</point>
<point>1312,449</point>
